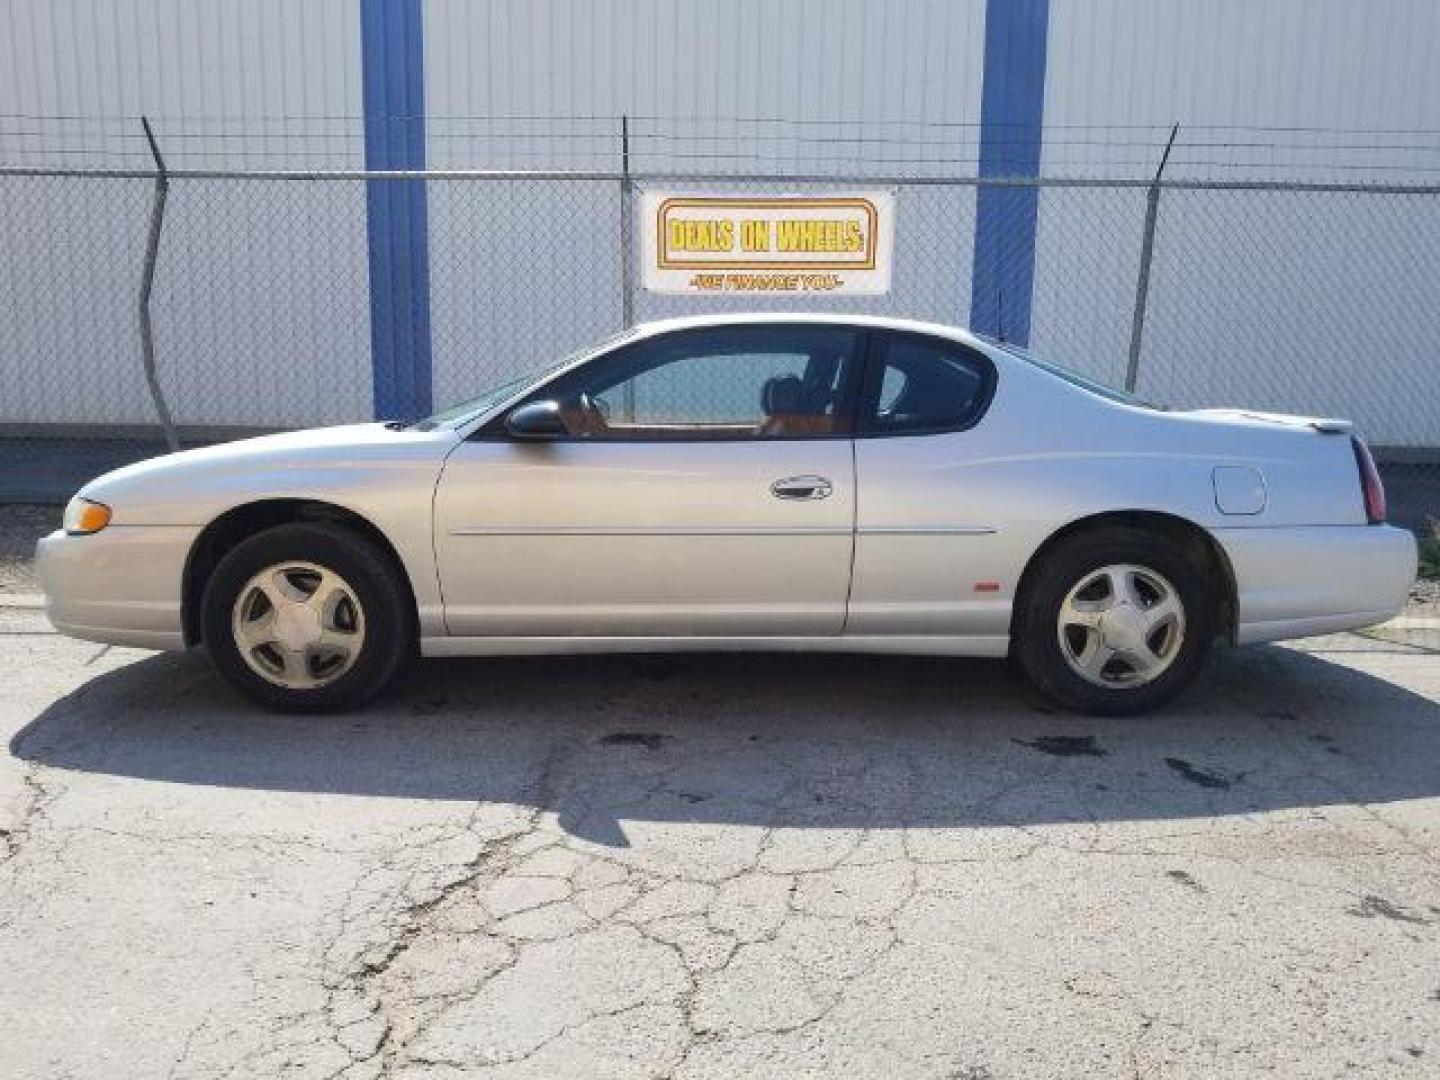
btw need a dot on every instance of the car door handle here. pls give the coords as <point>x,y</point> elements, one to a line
<point>801,487</point>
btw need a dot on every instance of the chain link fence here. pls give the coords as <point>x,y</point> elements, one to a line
<point>1315,298</point>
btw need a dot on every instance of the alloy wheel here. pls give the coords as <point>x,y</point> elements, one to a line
<point>298,625</point>
<point>1121,626</point>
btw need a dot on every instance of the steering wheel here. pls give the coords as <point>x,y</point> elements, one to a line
<point>589,416</point>
<point>591,404</point>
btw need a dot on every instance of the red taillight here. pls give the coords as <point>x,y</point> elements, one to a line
<point>1370,485</point>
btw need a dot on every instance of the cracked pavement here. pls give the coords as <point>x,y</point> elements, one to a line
<point>715,867</point>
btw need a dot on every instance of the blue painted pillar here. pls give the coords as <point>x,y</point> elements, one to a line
<point>397,229</point>
<point>1012,108</point>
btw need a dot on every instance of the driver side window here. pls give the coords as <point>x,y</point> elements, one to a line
<point>766,381</point>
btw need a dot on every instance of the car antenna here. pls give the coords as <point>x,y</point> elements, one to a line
<point>1000,314</point>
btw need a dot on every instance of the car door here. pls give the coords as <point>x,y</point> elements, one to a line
<point>927,547</point>
<point>704,486</point>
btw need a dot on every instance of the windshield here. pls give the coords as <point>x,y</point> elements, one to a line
<point>473,407</point>
<point>1074,378</point>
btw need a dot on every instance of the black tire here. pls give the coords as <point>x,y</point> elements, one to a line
<point>389,630</point>
<point>1035,638</point>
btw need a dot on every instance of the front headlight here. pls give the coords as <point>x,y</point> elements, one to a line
<point>83,516</point>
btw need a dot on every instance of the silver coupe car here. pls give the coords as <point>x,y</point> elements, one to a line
<point>788,482</point>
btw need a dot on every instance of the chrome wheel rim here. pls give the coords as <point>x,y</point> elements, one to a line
<point>298,625</point>
<point>1121,626</point>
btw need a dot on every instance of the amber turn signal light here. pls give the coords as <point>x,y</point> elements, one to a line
<point>83,516</point>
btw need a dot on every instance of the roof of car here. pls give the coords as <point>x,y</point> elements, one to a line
<point>820,317</point>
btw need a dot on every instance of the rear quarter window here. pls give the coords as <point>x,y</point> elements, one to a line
<point>917,385</point>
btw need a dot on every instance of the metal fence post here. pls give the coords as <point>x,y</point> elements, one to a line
<point>1147,252</point>
<point>147,282</point>
<point>627,242</point>
<point>627,255</point>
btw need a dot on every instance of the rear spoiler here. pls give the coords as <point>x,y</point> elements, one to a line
<point>1324,425</point>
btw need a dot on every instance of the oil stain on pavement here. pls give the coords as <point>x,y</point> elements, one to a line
<point>1064,745</point>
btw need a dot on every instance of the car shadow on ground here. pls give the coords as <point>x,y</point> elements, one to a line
<point>772,741</point>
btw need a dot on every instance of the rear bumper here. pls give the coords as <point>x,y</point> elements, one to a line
<point>120,586</point>
<point>1294,582</point>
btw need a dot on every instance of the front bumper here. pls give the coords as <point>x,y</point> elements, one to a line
<point>121,586</point>
<point>1295,582</point>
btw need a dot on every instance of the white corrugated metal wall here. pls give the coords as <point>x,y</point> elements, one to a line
<point>722,87</point>
<point>1295,89</point>
<point>1322,90</point>
<point>229,84</point>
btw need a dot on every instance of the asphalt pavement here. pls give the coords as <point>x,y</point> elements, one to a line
<point>720,867</point>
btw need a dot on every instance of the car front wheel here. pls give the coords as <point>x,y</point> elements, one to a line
<point>306,618</point>
<point>1114,622</point>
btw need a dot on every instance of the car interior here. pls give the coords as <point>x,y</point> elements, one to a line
<point>791,385</point>
<point>787,405</point>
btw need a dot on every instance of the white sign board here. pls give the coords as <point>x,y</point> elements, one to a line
<point>763,244</point>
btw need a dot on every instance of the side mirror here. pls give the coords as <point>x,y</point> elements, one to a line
<point>536,420</point>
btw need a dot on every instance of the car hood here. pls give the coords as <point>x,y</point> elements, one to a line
<point>293,463</point>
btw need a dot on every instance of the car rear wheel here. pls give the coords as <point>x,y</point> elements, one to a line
<point>1114,622</point>
<point>306,618</point>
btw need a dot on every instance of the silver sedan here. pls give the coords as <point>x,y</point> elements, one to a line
<point>740,483</point>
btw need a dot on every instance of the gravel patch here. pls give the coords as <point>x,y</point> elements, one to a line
<point>1425,598</point>
<point>20,526</point>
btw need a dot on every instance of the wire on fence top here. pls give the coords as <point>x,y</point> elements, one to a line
<point>642,176</point>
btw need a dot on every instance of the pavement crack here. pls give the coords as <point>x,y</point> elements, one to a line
<point>37,801</point>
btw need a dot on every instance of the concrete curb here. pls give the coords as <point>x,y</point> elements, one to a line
<point>1410,622</point>
<point>23,601</point>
